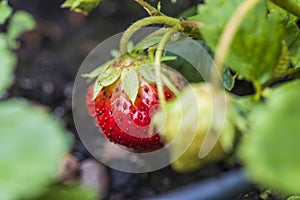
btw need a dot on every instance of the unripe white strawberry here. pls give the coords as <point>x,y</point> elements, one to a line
<point>185,123</point>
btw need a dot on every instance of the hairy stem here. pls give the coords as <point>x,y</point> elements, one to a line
<point>169,21</point>
<point>289,6</point>
<point>150,9</point>
<point>158,55</point>
<point>227,37</point>
<point>258,89</point>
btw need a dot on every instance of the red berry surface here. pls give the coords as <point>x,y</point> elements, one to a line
<point>124,122</point>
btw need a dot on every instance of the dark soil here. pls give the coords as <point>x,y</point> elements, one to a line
<point>48,61</point>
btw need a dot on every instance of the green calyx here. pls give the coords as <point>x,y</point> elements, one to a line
<point>129,69</point>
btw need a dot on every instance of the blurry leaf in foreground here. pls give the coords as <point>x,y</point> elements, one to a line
<point>5,11</point>
<point>32,143</point>
<point>7,65</point>
<point>20,22</point>
<point>69,193</point>
<point>82,6</point>
<point>271,150</point>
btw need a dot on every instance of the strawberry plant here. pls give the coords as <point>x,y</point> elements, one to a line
<point>256,41</point>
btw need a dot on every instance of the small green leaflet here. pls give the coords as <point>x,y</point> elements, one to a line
<point>96,72</point>
<point>256,46</point>
<point>82,6</point>
<point>147,71</point>
<point>146,43</point>
<point>32,144</point>
<point>5,11</point>
<point>130,83</point>
<point>20,22</point>
<point>158,6</point>
<point>108,77</point>
<point>228,79</point>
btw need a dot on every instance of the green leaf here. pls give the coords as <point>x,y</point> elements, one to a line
<point>20,22</point>
<point>96,72</point>
<point>97,89</point>
<point>228,79</point>
<point>108,77</point>
<point>5,11</point>
<point>130,83</point>
<point>146,43</point>
<point>291,34</point>
<point>7,65</point>
<point>82,6</point>
<point>257,44</point>
<point>69,192</point>
<point>32,144</point>
<point>271,150</point>
<point>148,72</point>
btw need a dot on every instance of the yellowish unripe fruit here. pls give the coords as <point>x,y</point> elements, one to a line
<point>196,116</point>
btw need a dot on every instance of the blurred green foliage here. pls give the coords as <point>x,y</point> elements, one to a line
<point>32,141</point>
<point>271,151</point>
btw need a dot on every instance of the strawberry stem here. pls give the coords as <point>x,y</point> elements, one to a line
<point>227,37</point>
<point>258,89</point>
<point>169,21</point>
<point>158,55</point>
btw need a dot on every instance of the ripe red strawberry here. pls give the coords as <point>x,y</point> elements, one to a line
<point>121,120</point>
